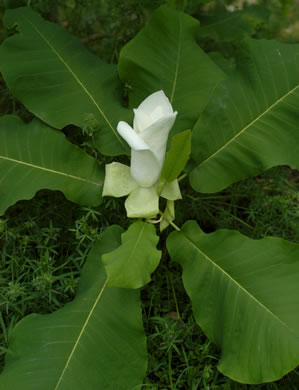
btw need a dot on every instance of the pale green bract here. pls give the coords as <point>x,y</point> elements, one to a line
<point>153,121</point>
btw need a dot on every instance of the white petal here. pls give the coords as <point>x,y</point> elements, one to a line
<point>131,137</point>
<point>142,203</point>
<point>141,120</point>
<point>156,136</point>
<point>153,101</point>
<point>118,180</point>
<point>172,191</point>
<point>145,168</point>
<point>153,108</point>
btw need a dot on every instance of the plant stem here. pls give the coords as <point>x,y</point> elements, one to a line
<point>170,222</point>
<point>170,369</point>
<point>174,297</point>
<point>182,177</point>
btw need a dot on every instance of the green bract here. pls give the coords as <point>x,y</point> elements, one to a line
<point>142,202</point>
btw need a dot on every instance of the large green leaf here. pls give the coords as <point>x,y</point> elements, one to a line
<point>245,296</point>
<point>251,123</point>
<point>35,157</point>
<point>165,55</point>
<point>232,26</point>
<point>228,66</point>
<point>131,264</point>
<point>95,342</point>
<point>59,80</point>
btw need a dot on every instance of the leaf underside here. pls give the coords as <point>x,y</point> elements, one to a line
<point>245,297</point>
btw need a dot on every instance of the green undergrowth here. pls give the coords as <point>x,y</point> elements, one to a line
<point>44,242</point>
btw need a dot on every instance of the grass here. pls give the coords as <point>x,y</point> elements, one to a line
<point>42,253</point>
<point>265,205</point>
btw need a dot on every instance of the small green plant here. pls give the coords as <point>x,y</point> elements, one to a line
<point>225,121</point>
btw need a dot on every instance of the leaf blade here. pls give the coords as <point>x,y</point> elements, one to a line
<point>165,55</point>
<point>231,26</point>
<point>76,344</point>
<point>250,124</point>
<point>131,264</point>
<point>245,297</point>
<point>61,88</point>
<point>35,157</point>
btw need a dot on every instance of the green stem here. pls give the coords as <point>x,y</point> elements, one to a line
<point>208,197</point>
<point>174,296</point>
<point>154,221</point>
<point>170,369</point>
<point>182,177</point>
<point>170,222</point>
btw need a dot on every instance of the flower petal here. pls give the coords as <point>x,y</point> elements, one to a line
<point>171,191</point>
<point>155,106</point>
<point>141,120</point>
<point>131,137</point>
<point>145,168</point>
<point>118,180</point>
<point>142,203</point>
<point>156,136</point>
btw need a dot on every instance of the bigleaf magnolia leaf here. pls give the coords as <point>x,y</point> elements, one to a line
<point>245,296</point>
<point>34,156</point>
<point>251,122</point>
<point>95,342</point>
<point>233,26</point>
<point>59,80</point>
<point>165,55</point>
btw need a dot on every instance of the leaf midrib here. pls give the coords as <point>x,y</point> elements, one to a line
<point>219,22</point>
<point>240,286</point>
<point>247,126</point>
<point>80,335</point>
<point>136,243</point>
<point>50,170</point>
<point>177,61</point>
<point>77,79</point>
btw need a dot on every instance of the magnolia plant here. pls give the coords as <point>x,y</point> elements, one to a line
<point>219,123</point>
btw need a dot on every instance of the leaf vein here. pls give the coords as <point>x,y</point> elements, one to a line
<point>80,335</point>
<point>50,170</point>
<point>223,272</point>
<point>249,125</point>
<point>77,79</point>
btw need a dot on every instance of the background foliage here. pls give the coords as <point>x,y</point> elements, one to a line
<point>44,243</point>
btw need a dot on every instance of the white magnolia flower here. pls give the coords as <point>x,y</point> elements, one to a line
<point>153,121</point>
<point>148,138</point>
